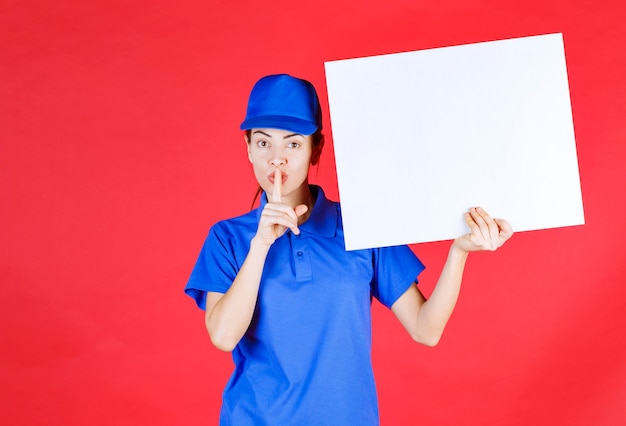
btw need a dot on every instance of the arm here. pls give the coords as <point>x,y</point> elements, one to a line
<point>228,315</point>
<point>424,319</point>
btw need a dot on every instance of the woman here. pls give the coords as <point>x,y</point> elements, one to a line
<point>281,292</point>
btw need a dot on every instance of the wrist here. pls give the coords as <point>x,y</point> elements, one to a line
<point>257,243</point>
<point>456,249</point>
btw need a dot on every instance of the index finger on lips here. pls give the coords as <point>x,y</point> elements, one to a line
<point>278,182</point>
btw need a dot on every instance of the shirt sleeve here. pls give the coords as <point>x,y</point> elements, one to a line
<point>396,269</point>
<point>215,269</point>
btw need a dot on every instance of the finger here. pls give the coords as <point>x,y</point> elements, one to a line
<point>284,217</point>
<point>278,182</point>
<point>277,222</point>
<point>275,209</point>
<point>473,226</point>
<point>482,229</point>
<point>298,211</point>
<point>486,237</point>
<point>493,229</point>
<point>301,209</point>
<point>281,215</point>
<point>475,235</point>
<point>288,222</point>
<point>506,230</point>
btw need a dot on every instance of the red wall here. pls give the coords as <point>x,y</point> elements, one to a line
<point>119,147</point>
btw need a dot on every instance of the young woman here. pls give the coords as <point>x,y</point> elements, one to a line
<point>281,292</point>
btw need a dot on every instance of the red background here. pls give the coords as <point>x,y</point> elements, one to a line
<point>120,147</point>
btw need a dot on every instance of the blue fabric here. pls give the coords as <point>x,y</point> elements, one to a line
<point>283,102</point>
<point>306,358</point>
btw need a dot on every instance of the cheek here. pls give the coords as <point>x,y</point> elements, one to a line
<point>304,160</point>
<point>301,166</point>
<point>257,162</point>
<point>259,173</point>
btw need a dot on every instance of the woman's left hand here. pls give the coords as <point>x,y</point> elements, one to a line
<point>485,233</point>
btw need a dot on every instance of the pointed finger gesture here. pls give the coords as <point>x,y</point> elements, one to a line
<point>277,217</point>
<point>278,185</point>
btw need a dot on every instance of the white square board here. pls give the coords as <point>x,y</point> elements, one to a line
<point>421,136</point>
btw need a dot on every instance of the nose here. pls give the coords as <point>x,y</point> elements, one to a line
<point>278,159</point>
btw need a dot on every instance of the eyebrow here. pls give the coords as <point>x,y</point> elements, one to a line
<point>263,133</point>
<point>292,135</point>
<point>284,137</point>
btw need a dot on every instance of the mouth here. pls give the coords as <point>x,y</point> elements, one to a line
<point>270,177</point>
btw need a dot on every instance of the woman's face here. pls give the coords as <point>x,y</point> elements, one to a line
<point>289,152</point>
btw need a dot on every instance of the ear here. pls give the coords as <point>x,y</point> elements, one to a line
<point>247,141</point>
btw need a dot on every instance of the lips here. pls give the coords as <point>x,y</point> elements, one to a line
<point>270,177</point>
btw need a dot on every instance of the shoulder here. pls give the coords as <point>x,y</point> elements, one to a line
<point>234,229</point>
<point>243,221</point>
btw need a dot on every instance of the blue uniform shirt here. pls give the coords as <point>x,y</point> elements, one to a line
<point>306,357</point>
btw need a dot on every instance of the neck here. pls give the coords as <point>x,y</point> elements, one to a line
<point>309,202</point>
<point>302,196</point>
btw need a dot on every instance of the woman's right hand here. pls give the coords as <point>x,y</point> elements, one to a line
<point>277,217</point>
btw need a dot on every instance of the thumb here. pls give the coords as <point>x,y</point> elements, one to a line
<point>506,231</point>
<point>301,209</point>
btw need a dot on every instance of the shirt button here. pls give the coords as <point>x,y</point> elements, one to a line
<point>299,254</point>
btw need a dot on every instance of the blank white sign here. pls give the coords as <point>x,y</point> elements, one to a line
<point>422,136</point>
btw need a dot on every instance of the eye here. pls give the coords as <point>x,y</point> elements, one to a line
<point>262,143</point>
<point>293,144</point>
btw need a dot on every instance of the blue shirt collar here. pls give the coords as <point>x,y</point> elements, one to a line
<point>324,218</point>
